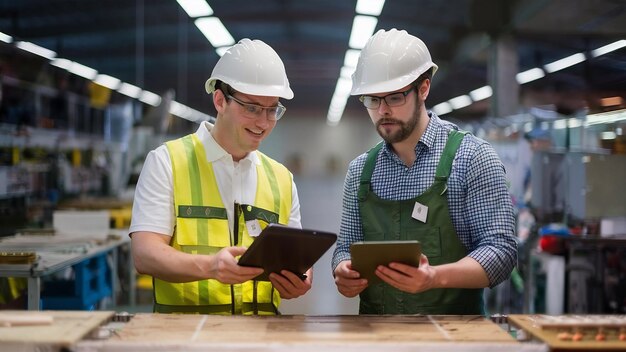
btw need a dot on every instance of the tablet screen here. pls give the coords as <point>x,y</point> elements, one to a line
<point>286,248</point>
<point>368,255</point>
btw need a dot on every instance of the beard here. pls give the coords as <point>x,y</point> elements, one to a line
<point>406,128</point>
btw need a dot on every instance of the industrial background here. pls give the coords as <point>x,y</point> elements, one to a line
<point>89,87</point>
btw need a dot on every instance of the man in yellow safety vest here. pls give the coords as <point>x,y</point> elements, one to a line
<point>202,199</point>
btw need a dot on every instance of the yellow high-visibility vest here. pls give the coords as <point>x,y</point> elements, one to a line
<point>202,228</point>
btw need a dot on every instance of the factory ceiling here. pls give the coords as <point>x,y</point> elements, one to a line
<point>154,44</point>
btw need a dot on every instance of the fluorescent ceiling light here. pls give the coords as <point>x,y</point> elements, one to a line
<point>222,50</point>
<point>608,48</point>
<point>607,135</point>
<point>442,109</point>
<point>370,7</point>
<point>574,123</point>
<point>36,49</point>
<point>61,63</point>
<point>179,109</point>
<point>6,38</point>
<point>362,29</point>
<point>351,58</point>
<point>150,98</point>
<point>129,90</point>
<point>214,31</point>
<point>564,62</point>
<point>108,81</point>
<point>346,72</point>
<point>196,8</point>
<point>529,75</point>
<point>460,102</point>
<point>344,85</point>
<point>559,124</point>
<point>607,117</point>
<point>337,106</point>
<point>82,70</point>
<point>481,93</point>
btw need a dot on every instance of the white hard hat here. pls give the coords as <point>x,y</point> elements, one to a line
<point>389,61</point>
<point>251,67</point>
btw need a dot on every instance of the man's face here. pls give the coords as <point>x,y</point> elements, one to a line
<point>395,124</point>
<point>242,130</point>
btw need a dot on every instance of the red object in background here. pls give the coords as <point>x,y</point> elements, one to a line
<point>552,244</point>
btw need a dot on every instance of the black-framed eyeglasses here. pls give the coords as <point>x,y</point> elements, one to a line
<point>393,99</point>
<point>254,111</point>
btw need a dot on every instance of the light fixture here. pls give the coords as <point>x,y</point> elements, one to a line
<point>607,117</point>
<point>346,72</point>
<point>608,135</point>
<point>460,102</point>
<point>608,48</point>
<point>196,8</point>
<point>150,98</point>
<point>82,70</point>
<point>362,29</point>
<point>214,31</point>
<point>442,108</point>
<point>108,81</point>
<point>564,62</point>
<point>6,38</point>
<point>129,90</point>
<point>481,93</point>
<point>61,63</point>
<point>351,58</point>
<point>370,7</point>
<point>36,49</point>
<point>529,75</point>
<point>222,50</point>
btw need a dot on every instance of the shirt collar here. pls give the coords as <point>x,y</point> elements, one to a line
<point>214,151</point>
<point>430,134</point>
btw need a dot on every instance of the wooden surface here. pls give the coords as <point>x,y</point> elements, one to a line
<point>66,329</point>
<point>312,333</point>
<point>547,329</point>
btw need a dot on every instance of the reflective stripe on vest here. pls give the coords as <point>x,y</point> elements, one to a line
<point>202,228</point>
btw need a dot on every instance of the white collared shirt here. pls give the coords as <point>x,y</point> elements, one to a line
<point>153,206</point>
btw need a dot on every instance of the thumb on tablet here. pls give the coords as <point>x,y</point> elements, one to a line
<point>236,251</point>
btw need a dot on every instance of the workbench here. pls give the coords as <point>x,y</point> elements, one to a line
<point>56,253</point>
<point>165,332</point>
<point>100,331</point>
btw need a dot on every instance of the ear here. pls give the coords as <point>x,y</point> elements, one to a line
<point>424,89</point>
<point>219,100</point>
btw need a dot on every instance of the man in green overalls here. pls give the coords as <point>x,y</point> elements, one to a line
<point>427,181</point>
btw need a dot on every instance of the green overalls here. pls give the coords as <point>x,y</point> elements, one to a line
<point>391,220</point>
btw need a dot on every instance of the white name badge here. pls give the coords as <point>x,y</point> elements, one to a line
<point>254,228</point>
<point>420,211</point>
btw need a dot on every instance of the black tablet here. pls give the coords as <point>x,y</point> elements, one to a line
<point>368,255</point>
<point>286,248</point>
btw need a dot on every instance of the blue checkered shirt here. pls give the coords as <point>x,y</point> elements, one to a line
<point>478,199</point>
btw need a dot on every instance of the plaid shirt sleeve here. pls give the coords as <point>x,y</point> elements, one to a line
<point>350,230</point>
<point>488,213</point>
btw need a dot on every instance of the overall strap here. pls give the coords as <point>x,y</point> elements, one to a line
<point>368,170</point>
<point>447,157</point>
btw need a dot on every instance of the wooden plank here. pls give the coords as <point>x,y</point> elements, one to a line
<point>66,329</point>
<point>148,329</point>
<point>552,330</point>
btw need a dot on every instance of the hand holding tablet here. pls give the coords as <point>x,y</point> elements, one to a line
<point>368,255</point>
<point>286,248</point>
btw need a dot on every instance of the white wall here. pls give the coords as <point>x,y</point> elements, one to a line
<point>320,191</point>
